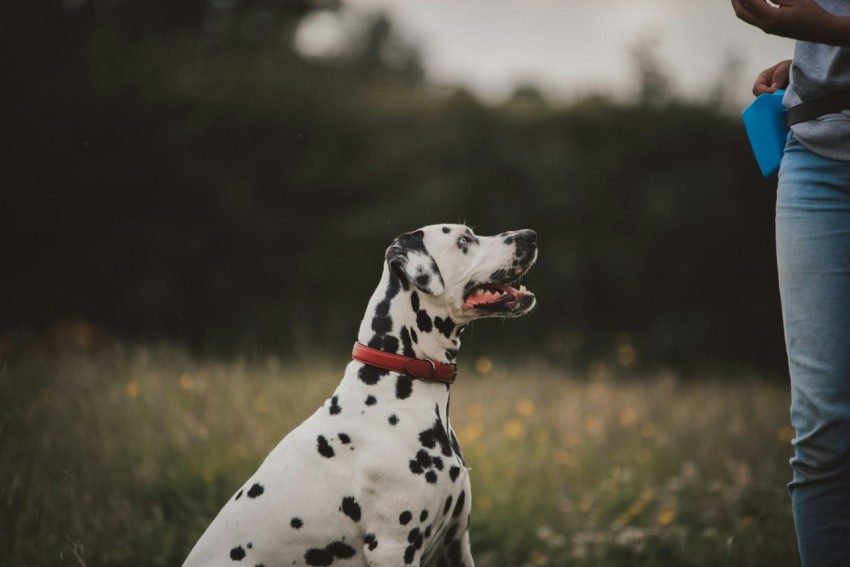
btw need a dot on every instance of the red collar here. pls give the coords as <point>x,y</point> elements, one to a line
<point>424,369</point>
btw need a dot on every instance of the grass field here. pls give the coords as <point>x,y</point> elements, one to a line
<point>120,455</point>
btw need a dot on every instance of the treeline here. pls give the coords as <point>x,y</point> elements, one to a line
<point>178,171</point>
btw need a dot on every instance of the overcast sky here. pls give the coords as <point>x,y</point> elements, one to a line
<point>571,47</point>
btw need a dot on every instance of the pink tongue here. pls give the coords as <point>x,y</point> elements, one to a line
<point>489,296</point>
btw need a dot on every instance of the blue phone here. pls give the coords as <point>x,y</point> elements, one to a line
<point>764,121</point>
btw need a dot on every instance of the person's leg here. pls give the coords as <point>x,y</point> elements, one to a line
<point>813,254</point>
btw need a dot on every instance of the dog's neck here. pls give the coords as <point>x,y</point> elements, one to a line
<point>403,320</point>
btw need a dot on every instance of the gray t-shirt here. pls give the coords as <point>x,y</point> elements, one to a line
<point>817,70</point>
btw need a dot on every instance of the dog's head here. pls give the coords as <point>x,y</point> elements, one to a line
<point>470,276</point>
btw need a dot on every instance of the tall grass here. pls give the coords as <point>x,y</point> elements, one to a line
<point>121,455</point>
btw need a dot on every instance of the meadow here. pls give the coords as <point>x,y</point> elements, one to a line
<point>116,454</point>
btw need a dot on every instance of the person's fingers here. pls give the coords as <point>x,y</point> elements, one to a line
<point>761,9</point>
<point>764,83</point>
<point>773,78</point>
<point>781,75</point>
<point>747,16</point>
<point>742,10</point>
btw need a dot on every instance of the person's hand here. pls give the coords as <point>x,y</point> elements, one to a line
<point>773,78</point>
<point>798,19</point>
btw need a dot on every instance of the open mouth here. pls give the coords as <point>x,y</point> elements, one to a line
<point>500,298</point>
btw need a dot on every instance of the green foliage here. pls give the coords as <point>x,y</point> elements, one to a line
<point>180,172</point>
<point>122,455</point>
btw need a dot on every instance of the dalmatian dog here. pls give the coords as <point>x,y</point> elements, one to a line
<point>376,477</point>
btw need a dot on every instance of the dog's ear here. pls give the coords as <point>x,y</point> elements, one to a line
<point>408,258</point>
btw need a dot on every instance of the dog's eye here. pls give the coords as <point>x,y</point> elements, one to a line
<point>463,241</point>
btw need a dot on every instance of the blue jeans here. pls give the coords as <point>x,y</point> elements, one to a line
<point>813,254</point>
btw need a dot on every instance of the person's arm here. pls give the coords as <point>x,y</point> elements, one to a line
<point>773,78</point>
<point>804,20</point>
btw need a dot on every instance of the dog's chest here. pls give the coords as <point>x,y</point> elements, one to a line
<point>404,421</point>
<point>410,472</point>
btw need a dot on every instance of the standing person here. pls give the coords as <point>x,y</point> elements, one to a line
<point>813,256</point>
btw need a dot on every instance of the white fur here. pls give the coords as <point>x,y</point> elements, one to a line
<point>351,504</point>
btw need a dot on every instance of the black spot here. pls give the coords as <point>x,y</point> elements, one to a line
<point>465,250</point>
<point>423,458</point>
<point>459,504</point>
<point>454,553</point>
<point>371,400</point>
<point>383,307</point>
<point>370,375</point>
<point>416,467</point>
<point>501,276</point>
<point>436,434</point>
<point>446,230</point>
<point>350,508</point>
<point>326,556</point>
<point>414,336</point>
<point>453,472</point>
<point>405,517</point>
<point>382,323</point>
<point>422,282</point>
<point>451,353</point>
<point>445,326</point>
<point>371,541</point>
<point>402,281</point>
<point>415,539</point>
<point>325,449</point>
<point>423,516</point>
<point>256,490</point>
<point>393,419</point>
<point>450,535</point>
<point>297,523</point>
<point>335,409</point>
<point>448,505</point>
<point>409,554</point>
<point>343,438</point>
<point>428,532</point>
<point>393,287</point>
<point>456,447</point>
<point>238,495</point>
<point>407,345</point>
<point>237,553</point>
<point>318,557</point>
<point>437,462</point>
<point>390,344</point>
<point>431,477</point>
<point>509,240</point>
<point>423,321</point>
<point>250,545</point>
<point>403,387</point>
<point>414,301</point>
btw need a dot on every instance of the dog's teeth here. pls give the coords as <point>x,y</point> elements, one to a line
<point>479,291</point>
<point>522,289</point>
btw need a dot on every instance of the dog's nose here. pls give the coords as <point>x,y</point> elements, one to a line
<point>527,236</point>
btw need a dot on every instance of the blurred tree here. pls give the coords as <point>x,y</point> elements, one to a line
<point>181,172</point>
<point>654,86</point>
